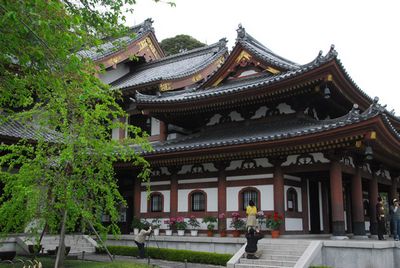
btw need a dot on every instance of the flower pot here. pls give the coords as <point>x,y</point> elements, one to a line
<point>168,232</point>
<point>222,233</point>
<point>181,232</point>
<point>156,231</point>
<point>275,233</point>
<point>193,232</point>
<point>210,233</point>
<point>236,233</point>
<point>135,231</point>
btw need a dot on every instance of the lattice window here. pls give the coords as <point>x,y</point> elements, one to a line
<point>156,202</point>
<point>248,195</point>
<point>198,200</point>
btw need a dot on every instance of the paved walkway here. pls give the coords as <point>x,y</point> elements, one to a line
<point>158,263</point>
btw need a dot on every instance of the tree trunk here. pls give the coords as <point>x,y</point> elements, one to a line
<point>61,246</point>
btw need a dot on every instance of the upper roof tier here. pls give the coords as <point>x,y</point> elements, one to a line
<point>176,67</point>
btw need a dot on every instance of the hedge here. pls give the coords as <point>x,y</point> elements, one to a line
<point>171,254</point>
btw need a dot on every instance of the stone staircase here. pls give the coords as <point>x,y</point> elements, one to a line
<point>276,253</point>
<point>77,242</point>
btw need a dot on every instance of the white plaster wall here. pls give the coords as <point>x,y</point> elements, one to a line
<point>212,199</point>
<point>214,119</point>
<point>294,224</point>
<point>260,112</point>
<point>155,126</point>
<point>209,167</point>
<point>235,116</point>
<point>185,169</point>
<point>285,109</point>
<point>263,162</point>
<point>234,165</point>
<point>113,74</point>
<point>166,201</point>
<point>299,197</point>
<point>266,197</point>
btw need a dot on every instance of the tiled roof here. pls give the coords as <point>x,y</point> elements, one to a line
<point>266,129</point>
<point>12,129</point>
<point>174,67</point>
<point>264,53</point>
<point>112,46</point>
<point>191,95</point>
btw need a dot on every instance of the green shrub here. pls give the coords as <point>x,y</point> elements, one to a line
<point>171,254</point>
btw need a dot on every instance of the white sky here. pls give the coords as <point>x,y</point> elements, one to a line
<point>365,33</point>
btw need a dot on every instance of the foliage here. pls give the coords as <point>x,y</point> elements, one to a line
<point>156,223</point>
<point>136,223</point>
<point>210,221</point>
<point>274,221</point>
<point>193,222</point>
<point>180,223</point>
<point>65,173</point>
<point>179,43</point>
<point>171,222</point>
<point>237,223</point>
<point>172,254</point>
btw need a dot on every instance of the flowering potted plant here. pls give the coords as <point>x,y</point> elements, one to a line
<point>180,225</point>
<point>194,223</point>
<point>274,221</point>
<point>261,218</point>
<point>221,220</point>
<point>237,223</point>
<point>155,225</point>
<point>170,225</point>
<point>210,221</point>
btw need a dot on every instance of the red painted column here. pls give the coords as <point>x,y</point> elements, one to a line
<point>163,131</point>
<point>136,198</point>
<point>337,198</point>
<point>279,197</point>
<point>174,192</point>
<point>222,194</point>
<point>373,198</point>
<point>357,204</point>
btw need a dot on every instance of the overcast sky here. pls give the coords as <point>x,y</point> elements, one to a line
<point>365,33</point>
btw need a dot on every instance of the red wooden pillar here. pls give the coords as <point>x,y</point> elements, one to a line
<point>174,192</point>
<point>137,198</point>
<point>357,203</point>
<point>163,131</point>
<point>337,198</point>
<point>222,193</point>
<point>373,198</point>
<point>279,183</point>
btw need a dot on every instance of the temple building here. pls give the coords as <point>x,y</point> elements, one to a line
<point>227,127</point>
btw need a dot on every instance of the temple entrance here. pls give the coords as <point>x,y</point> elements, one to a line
<point>315,216</point>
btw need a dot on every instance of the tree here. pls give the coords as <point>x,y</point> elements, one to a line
<point>65,174</point>
<point>179,44</point>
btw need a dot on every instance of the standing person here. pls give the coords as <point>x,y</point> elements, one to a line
<point>251,212</point>
<point>380,216</point>
<point>395,219</point>
<point>252,240</point>
<point>140,239</point>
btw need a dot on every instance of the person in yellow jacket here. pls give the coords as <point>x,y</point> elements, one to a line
<point>251,212</point>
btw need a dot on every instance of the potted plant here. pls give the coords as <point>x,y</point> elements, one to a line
<point>170,225</point>
<point>261,219</point>
<point>136,225</point>
<point>180,225</point>
<point>222,221</point>
<point>274,221</point>
<point>210,221</point>
<point>155,225</point>
<point>237,224</point>
<point>194,224</point>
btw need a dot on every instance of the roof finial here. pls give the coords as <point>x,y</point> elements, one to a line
<point>332,52</point>
<point>241,32</point>
<point>147,25</point>
<point>222,43</point>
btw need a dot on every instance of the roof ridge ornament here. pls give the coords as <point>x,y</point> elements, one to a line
<point>241,32</point>
<point>147,25</point>
<point>375,107</point>
<point>332,52</point>
<point>354,112</point>
<point>222,43</point>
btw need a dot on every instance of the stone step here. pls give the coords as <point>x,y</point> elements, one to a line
<point>283,247</point>
<point>285,252</point>
<point>264,262</point>
<point>280,257</point>
<point>242,265</point>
